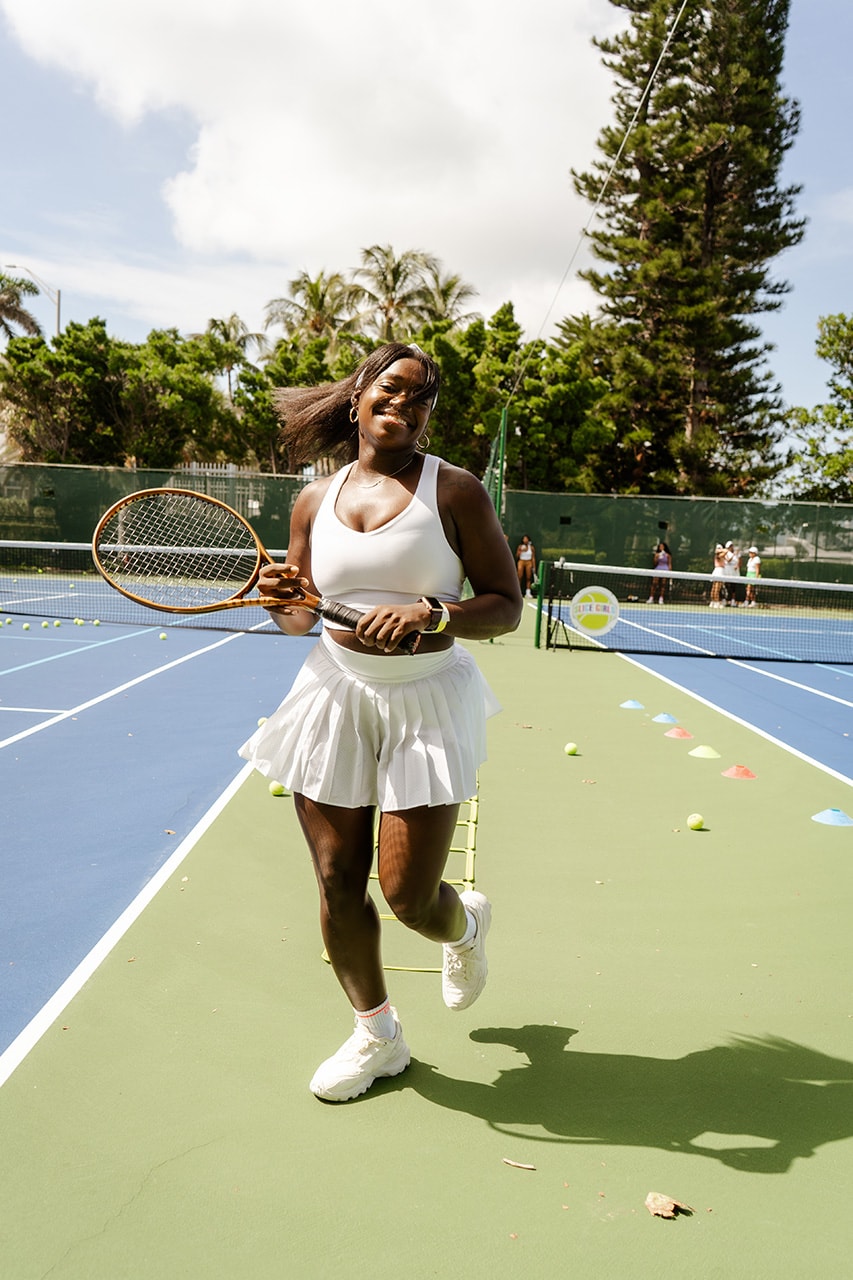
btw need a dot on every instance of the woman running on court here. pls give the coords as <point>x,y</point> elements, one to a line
<point>366,727</point>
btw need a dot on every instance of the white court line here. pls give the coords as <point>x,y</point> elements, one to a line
<point>730,715</point>
<point>72,653</point>
<point>111,693</point>
<point>50,1011</point>
<point>795,684</point>
<point>36,711</point>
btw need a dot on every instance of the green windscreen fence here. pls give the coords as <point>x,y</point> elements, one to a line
<point>63,504</point>
<point>796,540</point>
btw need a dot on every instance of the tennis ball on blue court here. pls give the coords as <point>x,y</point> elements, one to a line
<point>57,623</point>
<point>26,626</point>
<point>8,622</point>
<point>45,624</point>
<point>162,635</point>
<point>277,789</point>
<point>571,748</point>
<point>261,720</point>
<point>695,822</point>
<point>96,623</point>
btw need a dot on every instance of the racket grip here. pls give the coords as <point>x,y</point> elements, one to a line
<point>335,612</point>
<point>347,617</point>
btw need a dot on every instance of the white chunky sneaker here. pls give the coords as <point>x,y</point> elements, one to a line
<point>359,1062</point>
<point>463,973</point>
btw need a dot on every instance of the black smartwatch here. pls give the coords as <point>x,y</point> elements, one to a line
<point>439,615</point>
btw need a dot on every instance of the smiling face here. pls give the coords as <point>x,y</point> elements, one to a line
<point>395,409</point>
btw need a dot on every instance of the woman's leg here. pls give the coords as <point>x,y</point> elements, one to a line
<point>413,848</point>
<point>341,845</point>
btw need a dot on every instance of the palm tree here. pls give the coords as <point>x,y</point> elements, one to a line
<point>314,308</point>
<point>393,292</point>
<point>13,313</point>
<point>232,340</point>
<point>446,297</point>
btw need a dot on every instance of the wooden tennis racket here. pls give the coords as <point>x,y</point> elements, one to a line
<point>178,551</point>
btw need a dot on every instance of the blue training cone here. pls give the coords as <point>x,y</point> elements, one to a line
<point>833,818</point>
<point>664,718</point>
<point>632,705</point>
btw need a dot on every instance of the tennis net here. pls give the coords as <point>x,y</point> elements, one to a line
<point>48,582</point>
<point>603,607</point>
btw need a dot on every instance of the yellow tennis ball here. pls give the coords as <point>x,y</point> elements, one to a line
<point>162,635</point>
<point>57,623</point>
<point>96,623</point>
<point>45,624</point>
<point>571,748</point>
<point>261,720</point>
<point>276,789</point>
<point>695,822</point>
<point>26,626</point>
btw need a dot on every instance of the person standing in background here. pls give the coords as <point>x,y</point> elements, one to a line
<point>732,572</point>
<point>525,559</point>
<point>662,564</point>
<point>753,573</point>
<point>718,575</point>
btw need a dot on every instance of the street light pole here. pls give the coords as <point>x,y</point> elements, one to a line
<point>55,295</point>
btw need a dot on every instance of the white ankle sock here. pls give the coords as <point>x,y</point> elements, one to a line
<point>379,1021</point>
<point>470,932</point>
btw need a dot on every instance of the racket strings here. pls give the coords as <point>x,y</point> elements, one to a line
<point>178,550</point>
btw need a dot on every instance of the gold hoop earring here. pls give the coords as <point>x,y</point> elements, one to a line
<point>353,414</point>
<point>423,443</point>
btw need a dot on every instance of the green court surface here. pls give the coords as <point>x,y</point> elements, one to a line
<point>667,1011</point>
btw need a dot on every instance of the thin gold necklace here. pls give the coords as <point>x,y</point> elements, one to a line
<point>390,476</point>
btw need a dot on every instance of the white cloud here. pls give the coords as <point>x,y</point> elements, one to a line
<point>326,127</point>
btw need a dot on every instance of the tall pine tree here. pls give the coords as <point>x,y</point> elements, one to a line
<point>689,225</point>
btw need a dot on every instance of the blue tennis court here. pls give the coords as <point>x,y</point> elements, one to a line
<point>113,745</point>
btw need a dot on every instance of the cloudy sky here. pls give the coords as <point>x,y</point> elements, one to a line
<point>168,161</point>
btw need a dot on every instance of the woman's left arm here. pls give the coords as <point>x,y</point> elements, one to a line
<point>472,528</point>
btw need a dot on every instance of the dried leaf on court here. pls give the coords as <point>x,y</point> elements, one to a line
<point>662,1206</point>
<point>515,1165</point>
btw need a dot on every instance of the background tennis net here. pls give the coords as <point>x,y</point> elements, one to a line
<point>48,582</point>
<point>602,607</point>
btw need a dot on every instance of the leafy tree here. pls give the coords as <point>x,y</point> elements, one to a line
<point>13,313</point>
<point>168,407</point>
<point>89,399</point>
<point>692,218</point>
<point>63,397</point>
<point>823,449</point>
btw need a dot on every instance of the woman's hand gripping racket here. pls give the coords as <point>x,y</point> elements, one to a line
<point>181,552</point>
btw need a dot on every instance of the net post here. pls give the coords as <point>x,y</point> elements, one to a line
<point>544,567</point>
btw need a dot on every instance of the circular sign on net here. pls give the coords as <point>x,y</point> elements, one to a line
<point>594,611</point>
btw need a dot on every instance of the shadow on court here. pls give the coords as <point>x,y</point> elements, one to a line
<point>785,1098</point>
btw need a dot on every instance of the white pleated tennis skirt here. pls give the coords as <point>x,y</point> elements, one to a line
<point>392,731</point>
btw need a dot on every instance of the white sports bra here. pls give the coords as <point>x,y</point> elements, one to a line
<point>404,559</point>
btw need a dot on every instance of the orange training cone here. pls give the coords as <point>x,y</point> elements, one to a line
<point>739,771</point>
